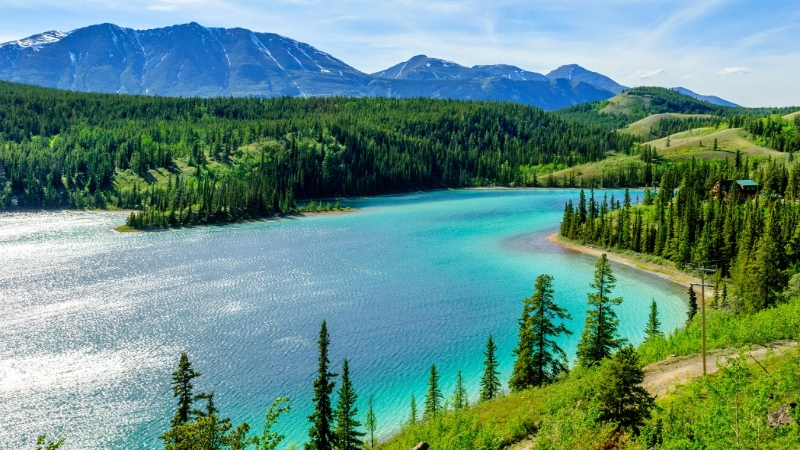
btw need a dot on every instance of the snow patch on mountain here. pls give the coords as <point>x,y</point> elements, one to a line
<point>38,40</point>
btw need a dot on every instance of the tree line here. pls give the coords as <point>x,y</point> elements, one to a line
<point>753,241</point>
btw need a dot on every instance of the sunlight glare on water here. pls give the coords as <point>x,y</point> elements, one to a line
<point>93,321</point>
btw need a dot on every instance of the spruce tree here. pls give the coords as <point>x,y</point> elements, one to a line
<point>347,435</point>
<point>433,399</point>
<point>622,398</point>
<point>522,374</point>
<point>460,399</point>
<point>182,389</point>
<point>490,383</point>
<point>692,306</point>
<point>321,419</point>
<point>412,418</point>
<point>539,358</point>
<point>653,328</point>
<point>371,423</point>
<point>599,337</point>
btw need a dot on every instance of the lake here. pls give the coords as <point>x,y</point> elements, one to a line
<point>94,321</point>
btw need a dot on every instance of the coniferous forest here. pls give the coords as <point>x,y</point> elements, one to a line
<point>228,159</point>
<point>754,241</point>
<point>192,161</point>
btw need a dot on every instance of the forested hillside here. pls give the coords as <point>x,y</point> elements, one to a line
<point>188,161</point>
<point>229,158</point>
<point>755,242</point>
<point>637,103</point>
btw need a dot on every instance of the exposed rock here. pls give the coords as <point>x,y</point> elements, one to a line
<point>781,416</point>
<point>421,446</point>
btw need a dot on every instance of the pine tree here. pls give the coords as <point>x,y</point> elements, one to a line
<point>460,399</point>
<point>412,418</point>
<point>182,389</point>
<point>623,401</point>
<point>347,435</point>
<point>490,383</point>
<point>692,306</point>
<point>321,433</point>
<point>599,337</point>
<point>371,422</point>
<point>653,324</point>
<point>539,358</point>
<point>433,399</point>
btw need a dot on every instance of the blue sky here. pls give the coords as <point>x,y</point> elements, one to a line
<point>742,50</point>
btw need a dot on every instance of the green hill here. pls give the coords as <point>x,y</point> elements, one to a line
<point>642,128</point>
<point>699,143</point>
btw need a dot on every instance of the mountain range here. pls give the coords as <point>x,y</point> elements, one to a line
<point>192,60</point>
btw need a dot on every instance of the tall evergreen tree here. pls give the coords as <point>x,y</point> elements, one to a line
<point>653,328</point>
<point>623,400</point>
<point>692,306</point>
<point>490,383</point>
<point>539,358</point>
<point>182,389</point>
<point>412,418</point>
<point>599,337</point>
<point>433,399</point>
<point>371,423</point>
<point>347,435</point>
<point>460,399</point>
<point>321,431</point>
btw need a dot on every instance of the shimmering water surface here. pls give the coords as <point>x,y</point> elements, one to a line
<point>93,321</point>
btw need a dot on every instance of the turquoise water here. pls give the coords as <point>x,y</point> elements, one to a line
<point>93,321</point>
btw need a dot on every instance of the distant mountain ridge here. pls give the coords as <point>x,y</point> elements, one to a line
<point>421,67</point>
<point>708,98</point>
<point>576,72</point>
<point>192,60</point>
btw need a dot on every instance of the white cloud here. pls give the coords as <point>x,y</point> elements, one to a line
<point>689,77</point>
<point>734,71</point>
<point>645,74</point>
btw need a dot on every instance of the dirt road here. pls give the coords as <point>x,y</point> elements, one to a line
<point>663,375</point>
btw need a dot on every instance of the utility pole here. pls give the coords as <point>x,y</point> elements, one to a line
<point>703,271</point>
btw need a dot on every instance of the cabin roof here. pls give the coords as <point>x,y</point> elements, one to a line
<point>747,183</point>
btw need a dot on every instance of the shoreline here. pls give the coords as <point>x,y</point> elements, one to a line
<point>126,229</point>
<point>659,270</point>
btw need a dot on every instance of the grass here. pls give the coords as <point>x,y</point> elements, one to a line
<point>792,115</point>
<point>725,330</point>
<point>498,423</point>
<point>698,143</point>
<point>626,104</point>
<point>596,169</point>
<point>642,127</point>
<point>125,229</point>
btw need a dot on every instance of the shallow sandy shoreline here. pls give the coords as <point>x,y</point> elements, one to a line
<point>669,273</point>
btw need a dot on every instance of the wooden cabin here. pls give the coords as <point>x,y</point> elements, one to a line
<point>745,188</point>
